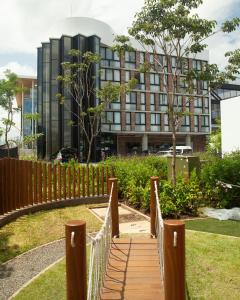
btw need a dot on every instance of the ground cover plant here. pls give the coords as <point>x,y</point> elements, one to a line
<point>40,228</point>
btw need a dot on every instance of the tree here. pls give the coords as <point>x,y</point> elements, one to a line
<point>8,90</point>
<point>9,87</point>
<point>171,28</point>
<point>214,145</point>
<point>82,85</point>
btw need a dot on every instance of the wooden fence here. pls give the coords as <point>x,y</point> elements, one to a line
<point>26,183</point>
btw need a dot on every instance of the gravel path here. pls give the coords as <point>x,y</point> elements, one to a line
<point>15,273</point>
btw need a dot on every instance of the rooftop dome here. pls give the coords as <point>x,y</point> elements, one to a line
<point>82,25</point>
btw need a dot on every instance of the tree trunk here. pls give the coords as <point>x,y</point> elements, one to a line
<point>6,141</point>
<point>174,177</point>
<point>89,150</point>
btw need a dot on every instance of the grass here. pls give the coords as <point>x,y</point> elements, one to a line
<point>48,286</point>
<point>228,227</point>
<point>213,264</point>
<point>212,271</point>
<point>33,230</point>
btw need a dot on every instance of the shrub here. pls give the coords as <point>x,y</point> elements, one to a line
<point>184,199</point>
<point>225,170</point>
<point>134,185</point>
<point>134,175</point>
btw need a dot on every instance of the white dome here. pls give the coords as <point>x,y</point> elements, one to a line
<point>82,25</point>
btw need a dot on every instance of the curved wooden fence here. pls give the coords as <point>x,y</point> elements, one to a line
<point>27,183</point>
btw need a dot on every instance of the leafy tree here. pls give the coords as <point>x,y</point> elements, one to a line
<point>81,84</point>
<point>32,138</point>
<point>215,140</point>
<point>8,90</point>
<point>171,27</point>
<point>9,87</point>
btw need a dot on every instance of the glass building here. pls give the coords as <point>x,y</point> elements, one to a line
<point>226,91</point>
<point>137,121</point>
<point>27,101</point>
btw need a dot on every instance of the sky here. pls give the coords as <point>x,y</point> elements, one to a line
<point>25,24</point>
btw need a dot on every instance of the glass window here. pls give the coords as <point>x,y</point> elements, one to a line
<point>198,105</point>
<point>140,118</point>
<point>142,57</point>
<point>151,58</point>
<point>152,102</point>
<point>116,75</point>
<point>130,56</point>
<point>155,119</point>
<point>143,101</point>
<point>131,99</point>
<point>127,76</point>
<point>109,75</point>
<point>128,118</point>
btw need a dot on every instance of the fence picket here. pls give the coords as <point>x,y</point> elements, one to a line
<point>69,194</point>
<point>50,182</point>
<point>78,182</point>
<point>97,179</point>
<point>83,182</point>
<point>55,182</point>
<point>25,183</point>
<point>64,182</point>
<point>35,181</point>
<point>93,181</point>
<point>59,182</point>
<point>88,188</point>
<point>102,179</point>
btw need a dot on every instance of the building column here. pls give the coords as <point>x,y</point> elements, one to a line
<point>145,142</point>
<point>188,141</point>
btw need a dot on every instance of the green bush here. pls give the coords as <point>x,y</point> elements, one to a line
<point>134,185</point>
<point>134,175</point>
<point>226,169</point>
<point>184,199</point>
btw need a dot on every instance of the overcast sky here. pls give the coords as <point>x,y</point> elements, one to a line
<point>24,25</point>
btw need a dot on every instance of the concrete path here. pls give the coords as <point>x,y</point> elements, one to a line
<point>130,220</point>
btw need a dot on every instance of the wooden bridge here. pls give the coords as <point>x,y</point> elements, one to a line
<point>143,269</point>
<point>133,271</point>
<point>119,268</point>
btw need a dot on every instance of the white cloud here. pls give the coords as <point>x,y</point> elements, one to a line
<point>15,67</point>
<point>30,20</point>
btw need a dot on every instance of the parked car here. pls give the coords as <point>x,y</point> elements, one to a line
<point>65,154</point>
<point>180,150</point>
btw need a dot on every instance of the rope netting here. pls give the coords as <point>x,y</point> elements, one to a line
<point>99,252</point>
<point>159,230</point>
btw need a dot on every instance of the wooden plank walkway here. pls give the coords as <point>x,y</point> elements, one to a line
<point>133,271</point>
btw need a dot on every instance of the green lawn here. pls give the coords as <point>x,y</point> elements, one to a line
<point>228,227</point>
<point>212,267</point>
<point>40,228</point>
<point>213,264</point>
<point>48,286</point>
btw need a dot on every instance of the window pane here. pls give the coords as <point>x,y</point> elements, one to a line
<point>116,75</point>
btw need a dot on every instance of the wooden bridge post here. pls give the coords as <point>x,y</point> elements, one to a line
<point>114,206</point>
<point>174,260</point>
<point>153,206</point>
<point>76,265</point>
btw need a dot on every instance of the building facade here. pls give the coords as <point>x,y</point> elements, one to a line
<point>27,101</point>
<point>135,122</point>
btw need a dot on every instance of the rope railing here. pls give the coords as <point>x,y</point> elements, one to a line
<point>159,230</point>
<point>99,252</point>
